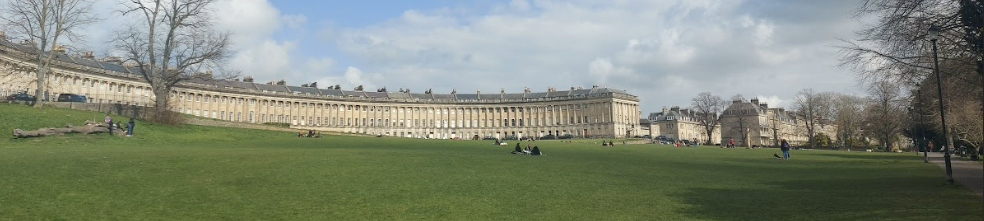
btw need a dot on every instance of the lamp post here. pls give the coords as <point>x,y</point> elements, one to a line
<point>934,32</point>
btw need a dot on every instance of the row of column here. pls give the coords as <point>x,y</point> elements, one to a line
<point>583,117</point>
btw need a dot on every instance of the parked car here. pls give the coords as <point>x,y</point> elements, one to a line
<point>22,97</point>
<point>71,98</point>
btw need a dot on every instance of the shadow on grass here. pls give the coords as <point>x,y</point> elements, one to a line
<point>832,199</point>
<point>869,156</point>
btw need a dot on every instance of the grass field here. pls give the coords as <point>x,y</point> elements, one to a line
<point>202,173</point>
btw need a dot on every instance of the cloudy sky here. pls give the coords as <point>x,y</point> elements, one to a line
<point>666,52</point>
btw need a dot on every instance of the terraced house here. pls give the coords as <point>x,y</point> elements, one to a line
<point>578,112</point>
<point>681,124</point>
<point>753,123</point>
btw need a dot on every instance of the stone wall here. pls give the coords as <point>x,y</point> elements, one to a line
<point>140,112</point>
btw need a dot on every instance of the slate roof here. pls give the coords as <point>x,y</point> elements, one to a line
<point>444,97</point>
<point>536,95</point>
<point>421,96</point>
<point>236,84</point>
<point>398,96</point>
<point>376,94</point>
<point>302,90</point>
<point>271,87</point>
<point>115,67</point>
<point>467,96</point>
<point>332,92</point>
<point>353,93</point>
<point>508,96</point>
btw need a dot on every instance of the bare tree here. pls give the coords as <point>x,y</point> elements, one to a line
<point>885,114</point>
<point>814,109</point>
<point>964,119</point>
<point>739,120</point>
<point>172,41</point>
<point>897,47</point>
<point>708,108</point>
<point>849,117</point>
<point>744,123</point>
<point>44,24</point>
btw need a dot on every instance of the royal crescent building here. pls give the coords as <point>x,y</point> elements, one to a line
<point>594,112</point>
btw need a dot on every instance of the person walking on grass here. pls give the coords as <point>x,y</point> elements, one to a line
<point>785,149</point>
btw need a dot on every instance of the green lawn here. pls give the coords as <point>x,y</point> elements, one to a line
<point>202,173</point>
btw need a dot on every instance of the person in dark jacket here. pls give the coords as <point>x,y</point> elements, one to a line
<point>785,149</point>
<point>129,127</point>
<point>536,150</point>
<point>517,151</point>
<point>110,125</point>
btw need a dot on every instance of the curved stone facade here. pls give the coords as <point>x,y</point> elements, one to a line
<point>590,113</point>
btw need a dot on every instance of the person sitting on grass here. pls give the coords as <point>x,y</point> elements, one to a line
<point>536,151</point>
<point>517,151</point>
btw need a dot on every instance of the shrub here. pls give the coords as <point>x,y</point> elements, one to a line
<point>168,117</point>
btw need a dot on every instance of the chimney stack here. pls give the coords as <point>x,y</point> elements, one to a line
<point>282,82</point>
<point>112,59</point>
<point>248,79</point>
<point>59,49</point>
<point>88,55</point>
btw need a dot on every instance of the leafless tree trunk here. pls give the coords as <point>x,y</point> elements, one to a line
<point>848,116</point>
<point>172,42</point>
<point>814,109</point>
<point>709,108</point>
<point>89,128</point>
<point>42,23</point>
<point>885,115</point>
<point>743,122</point>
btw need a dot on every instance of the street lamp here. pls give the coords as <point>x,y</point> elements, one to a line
<point>934,32</point>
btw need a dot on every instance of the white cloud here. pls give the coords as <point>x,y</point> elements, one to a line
<point>772,100</point>
<point>350,79</point>
<point>521,5</point>
<point>258,54</point>
<point>266,59</point>
<point>250,21</point>
<point>664,51</point>
<point>295,21</point>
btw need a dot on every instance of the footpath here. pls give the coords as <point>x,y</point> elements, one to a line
<point>967,173</point>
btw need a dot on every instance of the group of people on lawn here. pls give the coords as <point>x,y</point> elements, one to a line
<point>535,150</point>
<point>129,125</point>
<point>310,133</point>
